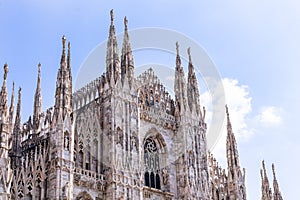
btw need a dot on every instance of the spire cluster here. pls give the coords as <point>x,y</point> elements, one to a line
<point>63,95</point>
<point>62,148</point>
<point>267,193</point>
<point>187,94</point>
<point>116,69</point>
<point>4,95</point>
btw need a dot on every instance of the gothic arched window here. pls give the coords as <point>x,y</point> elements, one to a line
<point>151,159</point>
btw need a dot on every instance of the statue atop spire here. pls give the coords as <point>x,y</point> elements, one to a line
<point>273,170</point>
<point>63,94</point>
<point>4,95</point>
<point>63,55</point>
<point>178,59</point>
<point>112,16</point>
<point>192,88</point>
<point>179,84</point>
<point>64,41</point>
<point>125,23</point>
<point>177,48</point>
<point>4,118</point>
<point>127,61</point>
<point>112,54</point>
<point>189,54</point>
<point>5,71</point>
<point>229,128</point>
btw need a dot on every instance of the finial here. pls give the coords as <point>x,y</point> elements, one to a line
<point>273,169</point>
<point>264,167</point>
<point>19,94</point>
<point>5,70</point>
<point>39,68</point>
<point>177,48</point>
<point>227,112</point>
<point>112,16</point>
<point>64,41</point>
<point>189,54</point>
<point>228,119</point>
<point>69,46</point>
<point>125,22</point>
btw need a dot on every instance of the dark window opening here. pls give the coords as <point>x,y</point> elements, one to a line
<point>152,181</point>
<point>147,179</point>
<point>157,182</point>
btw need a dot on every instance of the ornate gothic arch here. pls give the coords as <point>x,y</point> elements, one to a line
<point>83,196</point>
<point>154,133</point>
<point>155,157</point>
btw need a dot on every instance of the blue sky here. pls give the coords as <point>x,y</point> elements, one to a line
<point>254,44</point>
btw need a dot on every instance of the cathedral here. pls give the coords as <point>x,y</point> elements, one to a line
<point>119,137</point>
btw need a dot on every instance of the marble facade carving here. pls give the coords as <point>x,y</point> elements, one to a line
<point>119,137</point>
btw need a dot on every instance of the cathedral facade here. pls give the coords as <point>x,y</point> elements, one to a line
<point>120,137</point>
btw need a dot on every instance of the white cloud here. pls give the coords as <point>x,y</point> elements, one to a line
<point>238,100</point>
<point>270,116</point>
<point>239,104</point>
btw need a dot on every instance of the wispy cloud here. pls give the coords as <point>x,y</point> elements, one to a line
<point>238,100</point>
<point>270,116</point>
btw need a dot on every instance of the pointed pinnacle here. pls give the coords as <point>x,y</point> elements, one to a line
<point>228,118</point>
<point>264,168</point>
<point>227,113</point>
<point>5,67</point>
<point>178,60</point>
<point>39,77</point>
<point>177,48</point>
<point>273,169</point>
<point>39,68</point>
<point>112,16</point>
<point>64,42</point>
<point>13,88</point>
<point>125,23</point>
<point>19,94</point>
<point>189,54</point>
<point>63,39</point>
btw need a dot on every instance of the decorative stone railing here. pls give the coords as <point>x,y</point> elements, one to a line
<point>90,174</point>
<point>152,193</point>
<point>90,179</point>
